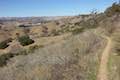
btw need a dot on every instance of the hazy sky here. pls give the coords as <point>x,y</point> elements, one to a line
<point>50,7</point>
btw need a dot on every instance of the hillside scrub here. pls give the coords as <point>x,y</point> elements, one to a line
<point>3,45</point>
<point>77,30</point>
<point>25,40</point>
<point>113,10</point>
<point>79,27</point>
<point>112,26</point>
<point>76,58</point>
<point>4,58</point>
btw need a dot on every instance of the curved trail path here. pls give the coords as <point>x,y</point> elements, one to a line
<point>102,73</point>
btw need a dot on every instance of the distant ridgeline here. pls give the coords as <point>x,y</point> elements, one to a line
<point>30,19</point>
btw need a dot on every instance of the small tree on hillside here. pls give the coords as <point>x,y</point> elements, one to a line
<point>94,14</point>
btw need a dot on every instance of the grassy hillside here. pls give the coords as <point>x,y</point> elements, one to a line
<point>75,58</point>
<point>114,64</point>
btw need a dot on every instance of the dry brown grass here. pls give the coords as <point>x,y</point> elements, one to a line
<point>75,58</point>
<point>114,65</point>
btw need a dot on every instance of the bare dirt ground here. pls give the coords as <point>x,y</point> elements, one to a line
<point>102,74</point>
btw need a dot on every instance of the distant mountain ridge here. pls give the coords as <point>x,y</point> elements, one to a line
<point>32,18</point>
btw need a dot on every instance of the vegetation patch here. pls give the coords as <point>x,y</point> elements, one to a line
<point>33,48</point>
<point>77,31</point>
<point>3,45</point>
<point>113,10</point>
<point>4,58</point>
<point>25,40</point>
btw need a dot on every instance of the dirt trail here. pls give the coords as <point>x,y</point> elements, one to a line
<point>102,74</point>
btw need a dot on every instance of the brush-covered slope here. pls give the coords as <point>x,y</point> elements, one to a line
<point>75,58</point>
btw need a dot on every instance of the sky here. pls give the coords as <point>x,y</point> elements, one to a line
<point>27,8</point>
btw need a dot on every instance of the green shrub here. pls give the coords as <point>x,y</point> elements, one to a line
<point>4,58</point>
<point>25,40</point>
<point>77,30</point>
<point>91,23</point>
<point>3,45</point>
